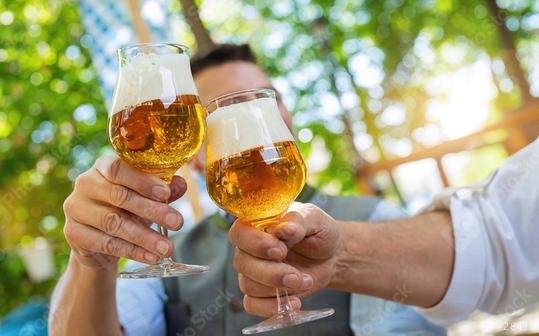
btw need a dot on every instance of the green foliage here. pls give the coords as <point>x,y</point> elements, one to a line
<point>320,40</point>
<point>45,75</point>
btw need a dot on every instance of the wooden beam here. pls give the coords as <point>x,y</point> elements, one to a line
<point>441,172</point>
<point>526,115</point>
<point>143,33</point>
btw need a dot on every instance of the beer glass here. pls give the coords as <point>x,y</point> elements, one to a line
<point>254,172</point>
<point>156,123</point>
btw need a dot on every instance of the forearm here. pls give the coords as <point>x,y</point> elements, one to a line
<point>408,261</point>
<point>84,302</point>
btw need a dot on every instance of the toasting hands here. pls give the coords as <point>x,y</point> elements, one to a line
<point>110,211</point>
<point>299,254</point>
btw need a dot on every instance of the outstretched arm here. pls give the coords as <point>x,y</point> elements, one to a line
<point>407,260</point>
<point>481,255</point>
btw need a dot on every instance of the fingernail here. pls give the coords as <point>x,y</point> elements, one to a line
<point>162,247</point>
<point>291,281</point>
<point>307,281</point>
<point>275,253</point>
<point>177,186</point>
<point>150,257</point>
<point>295,302</point>
<point>172,220</point>
<point>161,192</point>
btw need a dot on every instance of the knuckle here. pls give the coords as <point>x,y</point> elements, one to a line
<point>294,216</point>
<point>101,160</point>
<point>114,169</point>
<point>134,253</point>
<point>68,205</point>
<point>278,274</point>
<point>237,261</point>
<point>243,284</point>
<point>145,240</point>
<point>234,233</point>
<point>149,212</point>
<point>119,195</point>
<point>310,209</point>
<point>247,304</point>
<point>80,182</point>
<point>111,246</point>
<point>70,233</point>
<point>266,243</point>
<point>112,223</point>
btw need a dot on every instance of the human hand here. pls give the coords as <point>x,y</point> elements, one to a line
<point>109,213</point>
<point>298,254</point>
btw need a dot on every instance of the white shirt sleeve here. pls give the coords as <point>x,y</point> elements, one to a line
<point>141,304</point>
<point>496,228</point>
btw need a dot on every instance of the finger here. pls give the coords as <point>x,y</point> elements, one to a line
<point>301,220</point>
<point>255,242</point>
<point>116,171</point>
<point>270,273</point>
<point>178,187</point>
<point>122,197</point>
<point>121,225</point>
<point>291,229</point>
<point>253,288</point>
<point>308,230</point>
<point>265,307</point>
<point>90,239</point>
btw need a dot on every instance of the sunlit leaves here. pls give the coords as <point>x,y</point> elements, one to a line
<point>50,102</point>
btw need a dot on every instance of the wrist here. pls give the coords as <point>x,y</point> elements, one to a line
<point>77,266</point>
<point>357,268</point>
<point>342,261</point>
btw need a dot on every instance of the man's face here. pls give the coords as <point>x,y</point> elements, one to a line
<point>219,80</point>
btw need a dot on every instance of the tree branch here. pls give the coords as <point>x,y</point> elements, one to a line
<point>509,52</point>
<point>192,17</point>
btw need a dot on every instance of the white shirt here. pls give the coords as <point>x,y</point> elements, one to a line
<point>496,230</point>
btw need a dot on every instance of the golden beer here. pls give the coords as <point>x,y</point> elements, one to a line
<point>258,184</point>
<point>156,124</point>
<point>157,136</point>
<point>255,171</point>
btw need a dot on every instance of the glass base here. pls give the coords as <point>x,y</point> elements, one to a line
<point>287,319</point>
<point>166,269</point>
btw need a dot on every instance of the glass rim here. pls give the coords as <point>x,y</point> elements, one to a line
<point>184,49</point>
<point>271,93</point>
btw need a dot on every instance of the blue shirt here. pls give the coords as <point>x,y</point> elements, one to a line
<point>141,304</point>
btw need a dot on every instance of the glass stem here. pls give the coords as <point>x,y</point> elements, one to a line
<point>165,262</point>
<point>283,303</point>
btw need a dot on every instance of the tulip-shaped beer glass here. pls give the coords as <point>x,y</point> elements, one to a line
<point>254,172</point>
<point>156,123</point>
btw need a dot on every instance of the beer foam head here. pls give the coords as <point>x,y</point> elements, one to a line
<point>236,128</point>
<point>145,77</point>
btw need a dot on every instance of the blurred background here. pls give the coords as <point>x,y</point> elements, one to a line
<point>396,98</point>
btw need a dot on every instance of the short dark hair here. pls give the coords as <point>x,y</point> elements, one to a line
<point>222,54</point>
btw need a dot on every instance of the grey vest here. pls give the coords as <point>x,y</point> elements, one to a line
<point>211,303</point>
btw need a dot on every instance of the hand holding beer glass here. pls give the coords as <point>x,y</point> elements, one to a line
<point>157,123</point>
<point>254,172</point>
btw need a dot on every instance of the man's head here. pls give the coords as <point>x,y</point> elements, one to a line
<point>226,69</point>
